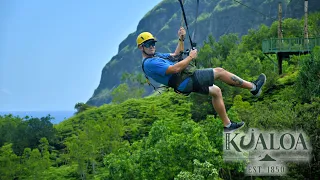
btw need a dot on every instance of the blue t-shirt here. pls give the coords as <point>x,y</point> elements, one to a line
<point>156,68</point>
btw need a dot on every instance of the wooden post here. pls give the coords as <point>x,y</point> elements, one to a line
<point>279,41</point>
<point>279,56</point>
<point>306,23</point>
<point>279,26</point>
<point>280,21</point>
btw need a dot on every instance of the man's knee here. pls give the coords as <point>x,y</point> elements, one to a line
<point>218,71</point>
<point>215,91</point>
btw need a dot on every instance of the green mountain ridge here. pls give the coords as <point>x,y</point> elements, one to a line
<point>216,18</point>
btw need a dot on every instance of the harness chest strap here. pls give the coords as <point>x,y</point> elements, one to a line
<point>177,78</point>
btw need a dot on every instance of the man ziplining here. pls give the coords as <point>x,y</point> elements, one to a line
<point>162,68</point>
<point>184,78</point>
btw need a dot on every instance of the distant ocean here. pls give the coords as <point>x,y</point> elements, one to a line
<point>58,115</point>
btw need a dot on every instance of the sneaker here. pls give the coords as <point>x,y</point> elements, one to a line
<point>234,126</point>
<point>259,83</point>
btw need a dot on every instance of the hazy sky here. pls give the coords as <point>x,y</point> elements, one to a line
<point>52,51</point>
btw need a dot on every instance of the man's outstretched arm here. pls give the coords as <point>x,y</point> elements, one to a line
<point>180,46</point>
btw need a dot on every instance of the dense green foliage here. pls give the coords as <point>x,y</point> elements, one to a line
<point>170,136</point>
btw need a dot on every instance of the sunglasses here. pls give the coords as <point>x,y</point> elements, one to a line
<point>149,43</point>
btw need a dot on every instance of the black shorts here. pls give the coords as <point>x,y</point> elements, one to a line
<point>200,81</point>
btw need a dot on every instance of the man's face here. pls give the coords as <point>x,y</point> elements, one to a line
<point>149,47</point>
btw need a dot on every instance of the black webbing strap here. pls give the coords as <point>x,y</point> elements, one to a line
<point>193,44</point>
<point>148,81</point>
<point>195,24</point>
<point>186,23</point>
<point>175,80</point>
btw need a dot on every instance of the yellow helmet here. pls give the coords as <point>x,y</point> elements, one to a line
<point>143,37</point>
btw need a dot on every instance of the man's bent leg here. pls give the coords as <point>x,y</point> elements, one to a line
<point>231,79</point>
<point>218,104</point>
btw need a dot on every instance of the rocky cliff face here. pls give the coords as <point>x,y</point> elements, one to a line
<point>216,17</point>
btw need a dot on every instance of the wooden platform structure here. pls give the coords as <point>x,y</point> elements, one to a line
<point>288,46</point>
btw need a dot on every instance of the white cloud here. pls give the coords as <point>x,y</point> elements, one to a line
<point>5,91</point>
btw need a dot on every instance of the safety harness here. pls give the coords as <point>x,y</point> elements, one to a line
<point>177,78</point>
